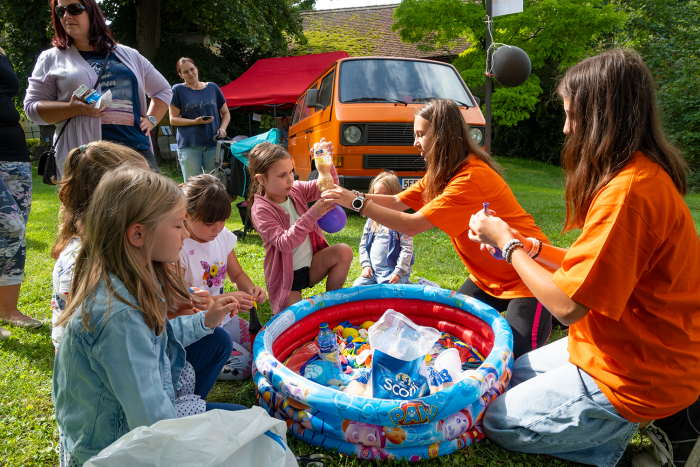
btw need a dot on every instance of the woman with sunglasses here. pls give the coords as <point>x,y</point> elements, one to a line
<point>82,42</point>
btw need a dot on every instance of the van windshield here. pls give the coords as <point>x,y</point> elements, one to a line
<point>377,80</point>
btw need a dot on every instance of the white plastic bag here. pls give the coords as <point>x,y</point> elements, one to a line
<point>398,360</point>
<point>397,336</point>
<point>215,438</point>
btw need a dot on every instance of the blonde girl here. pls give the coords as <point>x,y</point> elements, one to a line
<point>83,171</point>
<point>120,358</point>
<point>297,254</point>
<point>386,256</point>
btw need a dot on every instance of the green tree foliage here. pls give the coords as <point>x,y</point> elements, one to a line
<point>554,33</point>
<point>667,34</point>
<point>550,31</point>
<point>240,31</point>
<point>26,27</point>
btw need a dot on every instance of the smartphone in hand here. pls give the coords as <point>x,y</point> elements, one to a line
<point>207,117</point>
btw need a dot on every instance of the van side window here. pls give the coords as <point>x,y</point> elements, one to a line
<point>326,94</point>
<point>297,110</point>
<point>308,110</point>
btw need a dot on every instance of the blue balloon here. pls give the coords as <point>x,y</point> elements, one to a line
<point>334,220</point>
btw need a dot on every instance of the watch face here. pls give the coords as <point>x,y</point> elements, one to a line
<point>152,119</point>
<point>357,203</point>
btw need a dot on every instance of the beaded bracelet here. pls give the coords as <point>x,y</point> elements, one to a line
<point>539,250</point>
<point>363,209</point>
<point>509,247</point>
<point>536,245</point>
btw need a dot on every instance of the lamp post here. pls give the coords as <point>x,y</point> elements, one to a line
<point>489,83</point>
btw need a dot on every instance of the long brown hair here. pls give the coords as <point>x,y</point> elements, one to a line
<point>100,37</point>
<point>450,146</point>
<point>612,115</point>
<point>126,197</point>
<point>83,171</point>
<point>260,160</point>
<point>207,199</point>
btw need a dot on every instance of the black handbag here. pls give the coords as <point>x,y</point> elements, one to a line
<point>48,169</point>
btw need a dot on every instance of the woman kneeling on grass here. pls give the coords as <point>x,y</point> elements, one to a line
<point>120,358</point>
<point>460,177</point>
<point>629,287</point>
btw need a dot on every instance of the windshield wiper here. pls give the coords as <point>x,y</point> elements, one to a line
<point>364,99</point>
<point>430,98</point>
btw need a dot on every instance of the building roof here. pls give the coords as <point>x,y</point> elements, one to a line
<point>363,31</point>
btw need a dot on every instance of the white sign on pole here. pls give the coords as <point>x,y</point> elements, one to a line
<point>173,147</point>
<point>506,7</point>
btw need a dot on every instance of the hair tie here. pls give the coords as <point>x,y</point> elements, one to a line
<point>82,148</point>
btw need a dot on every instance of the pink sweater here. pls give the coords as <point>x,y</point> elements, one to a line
<point>280,239</point>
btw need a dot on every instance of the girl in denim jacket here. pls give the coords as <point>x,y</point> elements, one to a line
<point>386,255</point>
<point>120,358</point>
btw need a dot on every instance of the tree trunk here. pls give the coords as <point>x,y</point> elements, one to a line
<point>156,148</point>
<point>148,27</point>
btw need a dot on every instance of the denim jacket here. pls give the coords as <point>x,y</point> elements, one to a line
<point>119,375</point>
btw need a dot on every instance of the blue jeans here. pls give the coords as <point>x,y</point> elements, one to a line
<point>360,281</point>
<point>208,356</point>
<point>15,204</point>
<point>556,408</point>
<point>195,159</point>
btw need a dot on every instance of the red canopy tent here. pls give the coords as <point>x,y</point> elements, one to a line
<point>276,82</point>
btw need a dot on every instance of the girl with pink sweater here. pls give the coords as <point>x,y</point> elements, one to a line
<point>297,255</point>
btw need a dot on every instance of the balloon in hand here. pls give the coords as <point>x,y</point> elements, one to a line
<point>335,219</point>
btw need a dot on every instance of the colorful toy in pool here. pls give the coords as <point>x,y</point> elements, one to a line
<point>415,429</point>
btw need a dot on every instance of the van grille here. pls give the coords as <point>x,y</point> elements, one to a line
<point>390,134</point>
<point>395,162</point>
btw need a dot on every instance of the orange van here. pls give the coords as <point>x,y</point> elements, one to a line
<point>365,106</point>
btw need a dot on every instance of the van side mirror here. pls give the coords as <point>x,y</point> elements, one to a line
<point>478,101</point>
<point>312,99</point>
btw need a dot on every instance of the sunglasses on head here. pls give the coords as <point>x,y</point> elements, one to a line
<point>74,9</point>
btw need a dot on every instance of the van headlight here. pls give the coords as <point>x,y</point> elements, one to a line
<point>352,134</point>
<point>477,135</point>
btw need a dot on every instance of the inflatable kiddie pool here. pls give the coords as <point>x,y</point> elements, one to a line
<point>369,428</point>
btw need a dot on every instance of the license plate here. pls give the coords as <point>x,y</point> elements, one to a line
<point>407,182</point>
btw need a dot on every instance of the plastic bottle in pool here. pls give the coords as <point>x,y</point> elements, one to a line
<point>328,351</point>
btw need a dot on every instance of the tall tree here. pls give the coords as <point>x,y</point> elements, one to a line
<point>558,32</point>
<point>667,34</point>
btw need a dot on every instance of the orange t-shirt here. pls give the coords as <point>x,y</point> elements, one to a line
<point>636,265</point>
<point>475,184</point>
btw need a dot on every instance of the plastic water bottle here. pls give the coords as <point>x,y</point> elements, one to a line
<point>328,351</point>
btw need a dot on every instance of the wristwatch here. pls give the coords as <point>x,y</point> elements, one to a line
<point>152,119</point>
<point>358,202</point>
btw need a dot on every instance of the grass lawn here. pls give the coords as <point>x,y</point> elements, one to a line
<point>28,432</point>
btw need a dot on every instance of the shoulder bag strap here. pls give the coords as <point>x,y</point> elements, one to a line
<point>99,77</point>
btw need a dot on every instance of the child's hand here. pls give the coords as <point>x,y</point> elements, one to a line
<point>328,145</point>
<point>323,206</point>
<point>224,305</point>
<point>367,272</point>
<point>245,301</point>
<point>394,279</point>
<point>259,295</point>
<point>201,299</point>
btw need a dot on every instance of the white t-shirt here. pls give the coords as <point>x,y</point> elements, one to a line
<point>62,278</point>
<point>205,263</point>
<point>302,254</point>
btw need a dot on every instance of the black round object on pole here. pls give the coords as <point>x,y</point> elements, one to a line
<point>511,66</point>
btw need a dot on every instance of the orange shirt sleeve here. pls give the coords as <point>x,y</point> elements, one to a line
<point>450,210</point>
<point>614,248</point>
<point>413,195</point>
